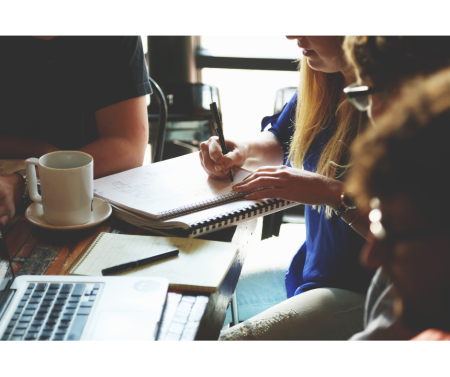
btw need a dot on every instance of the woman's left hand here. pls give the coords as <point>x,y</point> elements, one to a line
<point>283,182</point>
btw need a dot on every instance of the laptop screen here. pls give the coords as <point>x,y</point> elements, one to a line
<point>6,273</point>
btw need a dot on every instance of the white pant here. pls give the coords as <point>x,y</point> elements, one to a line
<point>319,314</point>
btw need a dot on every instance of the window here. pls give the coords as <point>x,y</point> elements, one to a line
<point>247,95</point>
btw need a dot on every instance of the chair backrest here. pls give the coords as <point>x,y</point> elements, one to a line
<point>162,122</point>
<point>189,119</point>
<point>272,223</point>
<point>282,97</point>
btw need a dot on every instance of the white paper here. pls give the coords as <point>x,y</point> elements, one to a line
<point>163,186</point>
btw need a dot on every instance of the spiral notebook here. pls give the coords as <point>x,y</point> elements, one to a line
<point>178,194</point>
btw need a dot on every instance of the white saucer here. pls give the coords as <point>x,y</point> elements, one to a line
<point>102,210</point>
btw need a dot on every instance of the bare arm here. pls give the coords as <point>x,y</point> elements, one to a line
<point>301,186</point>
<point>263,149</point>
<point>123,137</point>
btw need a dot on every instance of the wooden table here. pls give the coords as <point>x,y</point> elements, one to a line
<point>37,251</point>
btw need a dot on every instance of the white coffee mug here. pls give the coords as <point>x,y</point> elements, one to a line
<point>67,186</point>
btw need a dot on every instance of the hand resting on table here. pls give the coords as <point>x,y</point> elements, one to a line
<point>283,182</point>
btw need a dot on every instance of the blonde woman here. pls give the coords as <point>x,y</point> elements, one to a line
<point>325,283</point>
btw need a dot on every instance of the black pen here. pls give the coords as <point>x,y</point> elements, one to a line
<point>219,132</point>
<point>138,263</point>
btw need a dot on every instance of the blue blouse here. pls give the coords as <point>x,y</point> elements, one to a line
<point>330,255</point>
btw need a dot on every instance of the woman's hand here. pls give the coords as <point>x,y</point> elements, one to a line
<point>11,188</point>
<point>215,163</point>
<point>288,183</point>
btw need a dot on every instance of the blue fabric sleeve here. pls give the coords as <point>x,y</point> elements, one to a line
<point>282,124</point>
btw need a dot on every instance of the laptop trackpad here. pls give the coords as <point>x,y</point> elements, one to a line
<point>123,325</point>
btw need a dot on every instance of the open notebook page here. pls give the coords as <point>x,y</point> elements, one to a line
<point>201,265</point>
<point>163,186</point>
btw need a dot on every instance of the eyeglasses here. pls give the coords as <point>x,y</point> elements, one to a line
<point>380,233</point>
<point>358,95</point>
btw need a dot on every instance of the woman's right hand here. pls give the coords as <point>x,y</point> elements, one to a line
<point>215,163</point>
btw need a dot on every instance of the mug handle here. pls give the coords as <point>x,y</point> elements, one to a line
<point>32,181</point>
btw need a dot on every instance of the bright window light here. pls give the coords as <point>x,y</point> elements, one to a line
<point>246,96</point>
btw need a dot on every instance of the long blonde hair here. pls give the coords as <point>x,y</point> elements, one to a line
<point>317,104</point>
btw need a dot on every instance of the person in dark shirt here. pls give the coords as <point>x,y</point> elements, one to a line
<point>71,93</point>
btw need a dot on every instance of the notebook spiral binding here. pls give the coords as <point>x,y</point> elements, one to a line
<point>235,216</point>
<point>228,198</point>
<point>85,253</point>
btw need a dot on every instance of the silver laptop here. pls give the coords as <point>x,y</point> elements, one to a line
<point>78,307</point>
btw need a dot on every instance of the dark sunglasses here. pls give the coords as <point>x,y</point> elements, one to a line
<point>358,95</point>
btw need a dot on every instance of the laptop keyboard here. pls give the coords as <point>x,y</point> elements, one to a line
<point>182,316</point>
<point>52,312</point>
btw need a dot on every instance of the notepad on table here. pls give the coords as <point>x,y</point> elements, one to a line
<point>200,265</point>
<point>178,194</point>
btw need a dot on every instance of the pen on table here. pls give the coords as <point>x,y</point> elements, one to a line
<point>138,263</point>
<point>219,132</point>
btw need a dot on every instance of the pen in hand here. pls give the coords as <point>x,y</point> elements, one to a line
<point>138,263</point>
<point>219,132</point>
